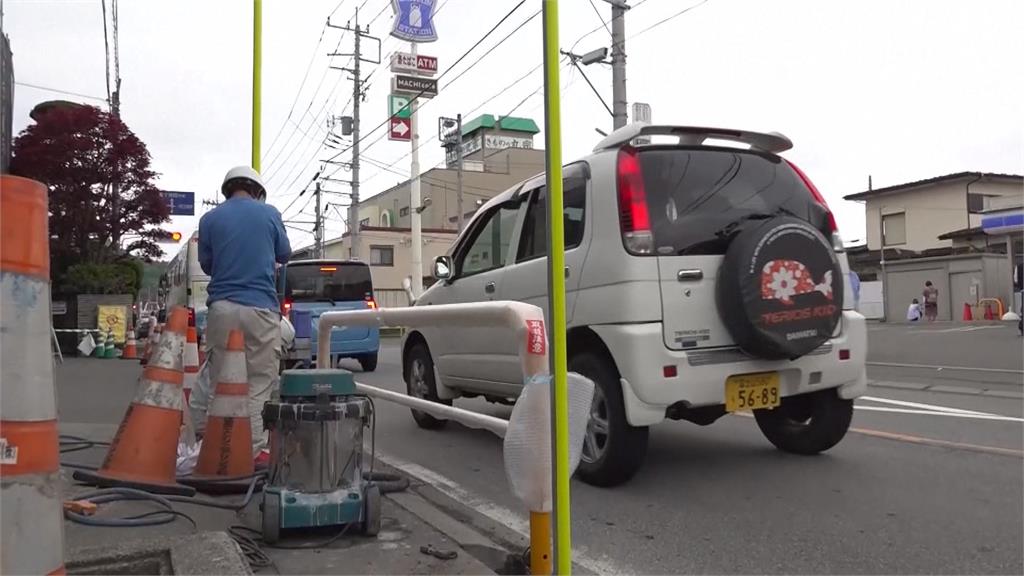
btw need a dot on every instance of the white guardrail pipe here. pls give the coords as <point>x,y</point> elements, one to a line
<point>525,320</point>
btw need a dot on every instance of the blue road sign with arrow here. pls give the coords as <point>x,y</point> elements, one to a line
<point>180,203</point>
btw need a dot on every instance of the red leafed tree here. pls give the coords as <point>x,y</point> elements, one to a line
<point>79,152</point>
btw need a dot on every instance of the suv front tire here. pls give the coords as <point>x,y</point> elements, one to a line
<point>420,383</point>
<point>613,450</point>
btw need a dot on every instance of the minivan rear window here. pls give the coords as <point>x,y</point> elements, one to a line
<point>327,281</point>
<point>696,195</point>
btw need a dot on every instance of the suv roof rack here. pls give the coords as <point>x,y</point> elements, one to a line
<point>695,136</point>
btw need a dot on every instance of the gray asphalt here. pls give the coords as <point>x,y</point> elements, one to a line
<point>720,499</point>
<point>939,494</point>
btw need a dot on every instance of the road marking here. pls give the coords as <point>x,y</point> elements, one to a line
<point>920,405</point>
<point>939,443</point>
<point>514,520</point>
<point>941,368</point>
<point>934,413</point>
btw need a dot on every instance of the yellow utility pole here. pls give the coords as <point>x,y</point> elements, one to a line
<point>556,298</point>
<point>257,62</point>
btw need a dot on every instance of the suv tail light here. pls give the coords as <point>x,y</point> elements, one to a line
<point>634,219</point>
<point>286,307</point>
<point>837,241</point>
<point>371,303</point>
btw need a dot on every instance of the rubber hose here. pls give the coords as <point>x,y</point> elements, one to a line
<point>106,495</point>
<point>387,482</point>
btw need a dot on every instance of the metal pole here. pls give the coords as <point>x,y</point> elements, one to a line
<point>562,545</point>
<point>257,62</point>
<point>881,262</point>
<point>357,96</point>
<point>619,100</point>
<point>458,148</point>
<point>416,267</point>
<point>318,226</point>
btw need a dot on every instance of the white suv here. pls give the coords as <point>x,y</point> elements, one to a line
<point>701,279</point>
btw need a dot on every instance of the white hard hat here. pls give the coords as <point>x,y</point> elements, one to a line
<point>246,178</point>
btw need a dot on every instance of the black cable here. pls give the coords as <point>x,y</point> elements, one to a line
<point>660,22</point>
<point>251,549</point>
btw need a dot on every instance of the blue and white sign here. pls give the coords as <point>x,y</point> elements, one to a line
<point>414,20</point>
<point>180,203</point>
<point>1006,223</point>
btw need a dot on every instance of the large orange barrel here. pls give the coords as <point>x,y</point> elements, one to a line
<point>32,523</point>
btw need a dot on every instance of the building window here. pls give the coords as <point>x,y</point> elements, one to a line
<point>894,229</point>
<point>364,222</point>
<point>403,212</point>
<point>385,219</point>
<point>975,203</point>
<point>382,255</point>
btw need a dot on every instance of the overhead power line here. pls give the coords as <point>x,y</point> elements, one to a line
<point>660,22</point>
<point>448,70</point>
<point>58,91</point>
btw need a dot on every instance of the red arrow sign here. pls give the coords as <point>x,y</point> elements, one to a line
<point>400,129</point>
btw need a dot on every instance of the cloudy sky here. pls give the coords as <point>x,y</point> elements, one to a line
<point>899,90</point>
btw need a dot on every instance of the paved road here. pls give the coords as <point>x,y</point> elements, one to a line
<point>929,482</point>
<point>923,486</point>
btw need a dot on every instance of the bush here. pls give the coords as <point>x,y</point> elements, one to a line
<point>123,277</point>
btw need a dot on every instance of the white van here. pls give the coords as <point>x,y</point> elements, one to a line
<point>184,283</point>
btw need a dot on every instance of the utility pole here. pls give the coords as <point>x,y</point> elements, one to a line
<point>619,100</point>
<point>452,142</point>
<point>318,227</point>
<point>357,98</point>
<point>416,265</point>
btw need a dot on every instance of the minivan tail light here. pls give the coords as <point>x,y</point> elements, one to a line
<point>192,317</point>
<point>371,303</point>
<point>634,219</point>
<point>286,307</point>
<point>837,241</point>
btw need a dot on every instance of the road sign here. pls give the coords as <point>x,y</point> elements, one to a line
<point>400,129</point>
<point>398,106</point>
<point>180,203</point>
<point>413,64</point>
<point>421,87</point>
<point>414,20</point>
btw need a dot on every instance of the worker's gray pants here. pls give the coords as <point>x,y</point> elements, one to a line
<point>262,330</point>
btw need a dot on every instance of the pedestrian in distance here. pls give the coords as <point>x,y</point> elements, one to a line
<point>931,301</point>
<point>239,242</point>
<point>914,311</point>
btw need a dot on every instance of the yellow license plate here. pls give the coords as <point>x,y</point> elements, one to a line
<point>752,391</point>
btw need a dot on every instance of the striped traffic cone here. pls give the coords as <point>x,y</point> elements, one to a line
<point>151,342</point>
<point>130,348</point>
<point>227,444</point>
<point>32,522</point>
<point>191,362</point>
<point>111,349</point>
<point>144,451</point>
<point>101,345</point>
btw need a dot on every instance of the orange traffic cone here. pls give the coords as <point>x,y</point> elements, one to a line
<point>968,315</point>
<point>227,444</point>
<point>989,315</point>
<point>151,342</point>
<point>191,362</point>
<point>130,352</point>
<point>144,451</point>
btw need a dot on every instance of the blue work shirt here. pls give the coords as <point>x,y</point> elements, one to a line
<point>239,241</point>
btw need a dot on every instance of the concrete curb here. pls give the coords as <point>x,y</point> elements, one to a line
<point>946,389</point>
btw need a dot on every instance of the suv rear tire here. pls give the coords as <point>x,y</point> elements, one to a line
<point>369,362</point>
<point>807,424</point>
<point>624,446</point>
<point>420,383</point>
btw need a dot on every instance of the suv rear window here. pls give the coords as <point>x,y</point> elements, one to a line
<point>323,281</point>
<point>694,194</point>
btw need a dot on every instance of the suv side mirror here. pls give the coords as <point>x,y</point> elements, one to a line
<point>443,268</point>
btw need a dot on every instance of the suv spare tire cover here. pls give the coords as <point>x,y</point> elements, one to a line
<point>780,288</point>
